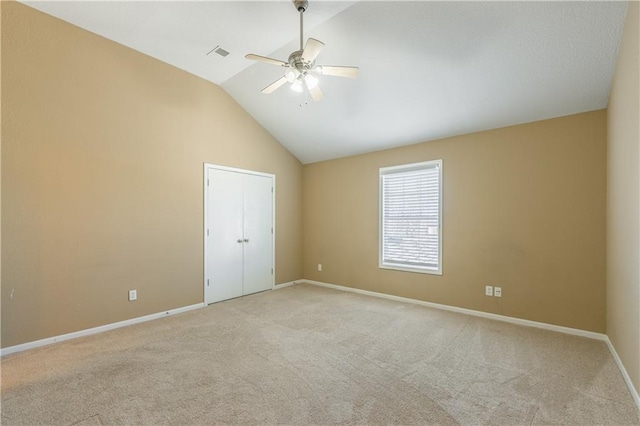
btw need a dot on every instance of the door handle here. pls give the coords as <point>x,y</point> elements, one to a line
<point>240,241</point>
<point>246,240</point>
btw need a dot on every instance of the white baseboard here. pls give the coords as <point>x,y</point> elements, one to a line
<point>504,318</point>
<point>95,330</point>
<point>284,285</point>
<point>625,374</point>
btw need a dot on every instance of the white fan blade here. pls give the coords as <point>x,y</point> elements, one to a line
<point>267,60</point>
<point>316,93</point>
<point>273,86</point>
<point>351,72</point>
<point>312,50</point>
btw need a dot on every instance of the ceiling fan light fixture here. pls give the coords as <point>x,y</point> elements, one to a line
<point>297,86</point>
<point>310,81</point>
<point>290,75</point>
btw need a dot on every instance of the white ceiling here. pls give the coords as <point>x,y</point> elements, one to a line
<point>428,70</point>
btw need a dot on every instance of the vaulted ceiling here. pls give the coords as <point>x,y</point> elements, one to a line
<point>428,70</point>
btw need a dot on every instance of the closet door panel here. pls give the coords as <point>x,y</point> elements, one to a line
<point>225,240</point>
<point>258,237</point>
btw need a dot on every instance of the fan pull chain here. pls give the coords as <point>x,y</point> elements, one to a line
<point>306,97</point>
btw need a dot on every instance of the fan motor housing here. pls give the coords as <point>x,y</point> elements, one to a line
<point>296,62</point>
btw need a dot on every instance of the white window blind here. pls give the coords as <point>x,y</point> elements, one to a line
<point>410,215</point>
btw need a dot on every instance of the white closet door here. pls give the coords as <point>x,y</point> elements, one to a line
<point>225,241</point>
<point>258,237</point>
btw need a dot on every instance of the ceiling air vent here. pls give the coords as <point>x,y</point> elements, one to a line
<point>219,50</point>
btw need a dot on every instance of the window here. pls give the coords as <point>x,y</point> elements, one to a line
<point>411,217</point>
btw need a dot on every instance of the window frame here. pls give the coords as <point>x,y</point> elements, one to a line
<point>402,169</point>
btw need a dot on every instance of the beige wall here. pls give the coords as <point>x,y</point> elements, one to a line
<point>0,167</point>
<point>524,209</point>
<point>102,169</point>
<point>623,203</point>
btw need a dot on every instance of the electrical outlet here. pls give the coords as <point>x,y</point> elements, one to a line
<point>133,295</point>
<point>497,291</point>
<point>319,266</point>
<point>488,290</point>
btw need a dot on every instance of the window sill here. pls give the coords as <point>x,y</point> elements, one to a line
<point>430,271</point>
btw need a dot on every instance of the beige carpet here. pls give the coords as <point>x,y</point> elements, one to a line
<point>310,355</point>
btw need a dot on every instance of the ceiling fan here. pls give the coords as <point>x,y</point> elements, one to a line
<point>301,66</point>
